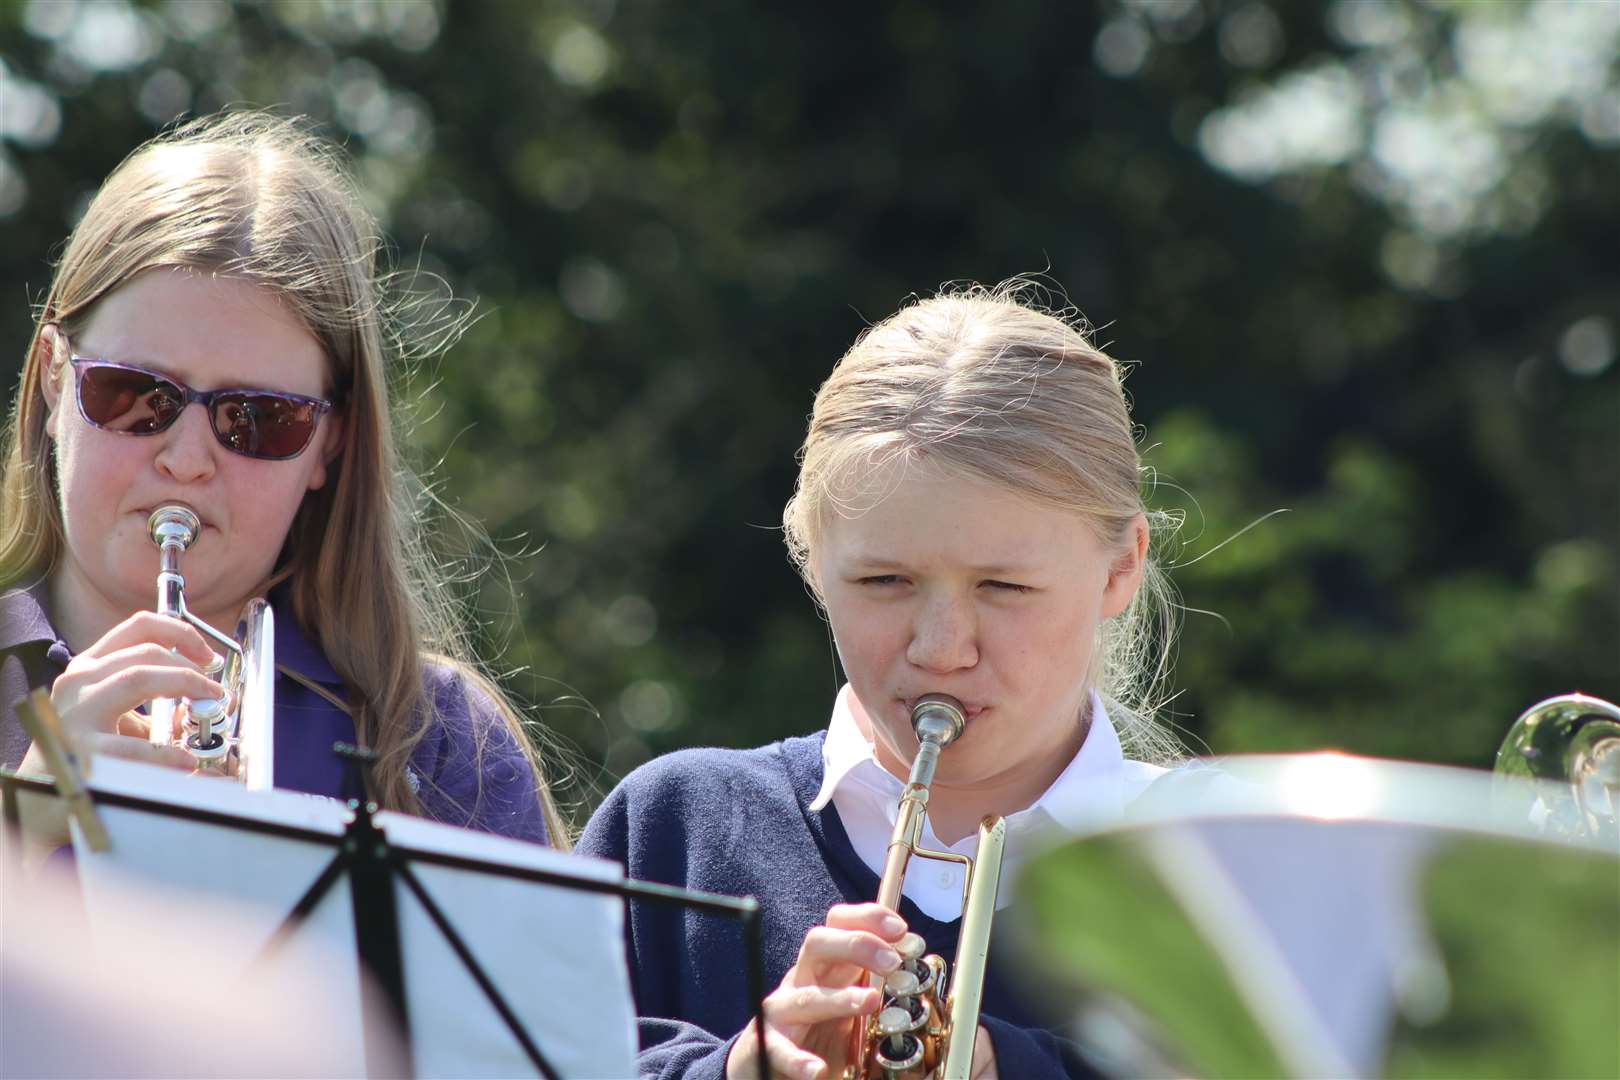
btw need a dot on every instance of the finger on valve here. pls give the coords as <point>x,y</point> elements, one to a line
<point>101,695</point>
<point>151,628</point>
<point>831,956</point>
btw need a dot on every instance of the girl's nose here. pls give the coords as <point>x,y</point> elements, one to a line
<point>188,448</point>
<point>944,636</point>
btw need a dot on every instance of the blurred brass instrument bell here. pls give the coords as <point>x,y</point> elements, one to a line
<point>929,1016</point>
<point>233,735</point>
<point>1330,915</point>
<point>1573,740</point>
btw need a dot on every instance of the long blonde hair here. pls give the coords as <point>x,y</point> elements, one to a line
<point>986,384</point>
<point>260,198</point>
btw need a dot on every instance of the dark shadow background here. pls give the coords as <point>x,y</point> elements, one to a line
<point>1362,256</point>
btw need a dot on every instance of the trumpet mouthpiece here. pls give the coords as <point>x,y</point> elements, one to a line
<point>937,718</point>
<point>173,523</point>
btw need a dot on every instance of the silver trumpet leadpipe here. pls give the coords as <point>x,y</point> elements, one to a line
<point>172,529</point>
<point>233,733</point>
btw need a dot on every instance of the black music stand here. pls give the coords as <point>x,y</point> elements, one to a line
<point>373,865</point>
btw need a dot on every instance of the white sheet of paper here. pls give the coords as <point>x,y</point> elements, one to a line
<point>555,954</point>
<point>230,887</point>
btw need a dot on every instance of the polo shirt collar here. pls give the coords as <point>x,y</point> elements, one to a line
<point>22,617</point>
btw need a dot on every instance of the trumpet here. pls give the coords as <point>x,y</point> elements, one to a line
<point>929,1017</point>
<point>233,735</point>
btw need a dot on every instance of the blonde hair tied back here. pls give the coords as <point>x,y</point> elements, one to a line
<point>989,384</point>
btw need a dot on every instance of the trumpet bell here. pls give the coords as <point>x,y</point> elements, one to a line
<point>256,677</point>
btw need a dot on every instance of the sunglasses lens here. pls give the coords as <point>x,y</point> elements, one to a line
<point>256,425</point>
<point>132,401</point>
<point>263,425</point>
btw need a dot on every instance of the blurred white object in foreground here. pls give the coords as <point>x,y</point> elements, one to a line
<point>161,1000</point>
<point>1326,915</point>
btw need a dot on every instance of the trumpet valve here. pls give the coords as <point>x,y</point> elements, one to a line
<point>901,985</point>
<point>898,1048</point>
<point>910,947</point>
<point>205,723</point>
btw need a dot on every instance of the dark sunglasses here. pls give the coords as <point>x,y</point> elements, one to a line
<point>263,424</point>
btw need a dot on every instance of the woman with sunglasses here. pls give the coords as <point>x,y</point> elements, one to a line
<point>969,516</point>
<point>215,337</point>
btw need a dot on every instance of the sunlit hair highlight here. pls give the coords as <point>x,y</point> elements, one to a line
<point>263,199</point>
<point>987,384</point>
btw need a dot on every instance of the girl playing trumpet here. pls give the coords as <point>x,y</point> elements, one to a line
<point>968,515</point>
<point>228,265</point>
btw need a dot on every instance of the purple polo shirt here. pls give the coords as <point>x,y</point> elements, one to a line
<point>468,770</point>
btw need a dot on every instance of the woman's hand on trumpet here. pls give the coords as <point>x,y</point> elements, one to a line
<point>144,657</point>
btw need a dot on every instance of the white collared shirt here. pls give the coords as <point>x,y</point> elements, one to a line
<point>1093,790</point>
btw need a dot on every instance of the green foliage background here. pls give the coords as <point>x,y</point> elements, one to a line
<point>1363,256</point>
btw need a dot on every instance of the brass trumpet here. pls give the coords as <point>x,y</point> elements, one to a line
<point>929,1017</point>
<point>235,734</point>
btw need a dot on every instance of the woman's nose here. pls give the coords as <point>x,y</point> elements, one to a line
<point>945,636</point>
<point>188,448</point>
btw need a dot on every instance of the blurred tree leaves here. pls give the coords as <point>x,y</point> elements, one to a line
<point>1362,259</point>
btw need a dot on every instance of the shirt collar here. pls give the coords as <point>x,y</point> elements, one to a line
<point>1087,789</point>
<point>294,649</point>
<point>844,749</point>
<point>22,617</point>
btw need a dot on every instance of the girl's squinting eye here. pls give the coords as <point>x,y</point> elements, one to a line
<point>1008,586</point>
<point>879,579</point>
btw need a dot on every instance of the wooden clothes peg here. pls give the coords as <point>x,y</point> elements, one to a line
<point>44,726</point>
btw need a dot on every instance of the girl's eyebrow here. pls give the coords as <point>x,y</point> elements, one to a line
<point>881,562</point>
<point>157,367</point>
<point>127,359</point>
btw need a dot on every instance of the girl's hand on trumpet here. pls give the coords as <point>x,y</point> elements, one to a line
<point>144,657</point>
<point>808,1017</point>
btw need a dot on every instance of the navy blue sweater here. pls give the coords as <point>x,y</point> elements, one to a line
<point>738,822</point>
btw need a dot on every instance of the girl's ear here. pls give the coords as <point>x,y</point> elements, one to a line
<point>330,444</point>
<point>1125,572</point>
<point>50,354</point>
